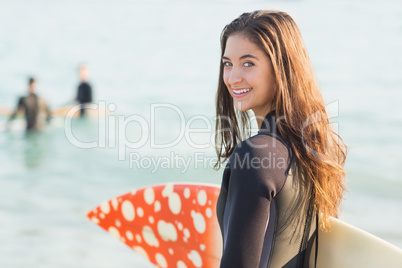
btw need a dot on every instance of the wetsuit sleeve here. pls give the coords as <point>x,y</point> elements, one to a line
<point>48,113</point>
<point>257,175</point>
<point>20,105</point>
<point>79,93</point>
<point>89,93</point>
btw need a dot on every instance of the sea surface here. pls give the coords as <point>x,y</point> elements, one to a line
<point>154,70</point>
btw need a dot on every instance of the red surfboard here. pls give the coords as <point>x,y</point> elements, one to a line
<point>171,225</point>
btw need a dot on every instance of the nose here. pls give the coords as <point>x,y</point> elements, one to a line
<point>235,76</point>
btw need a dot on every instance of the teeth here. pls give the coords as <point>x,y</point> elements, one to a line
<point>241,90</point>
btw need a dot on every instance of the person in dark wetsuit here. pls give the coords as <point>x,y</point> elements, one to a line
<point>35,109</point>
<point>276,183</point>
<point>84,94</point>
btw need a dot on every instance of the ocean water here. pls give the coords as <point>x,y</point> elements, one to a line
<point>155,64</point>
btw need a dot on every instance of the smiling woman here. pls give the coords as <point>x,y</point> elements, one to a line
<point>268,212</point>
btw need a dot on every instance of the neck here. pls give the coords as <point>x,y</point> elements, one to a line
<point>259,122</point>
<point>260,116</point>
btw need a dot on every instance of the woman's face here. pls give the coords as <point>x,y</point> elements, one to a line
<point>248,75</point>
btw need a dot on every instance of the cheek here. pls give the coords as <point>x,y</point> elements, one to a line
<point>226,79</point>
<point>266,81</point>
<point>225,76</point>
<point>269,91</point>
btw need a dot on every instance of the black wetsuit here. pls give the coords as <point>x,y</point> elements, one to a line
<point>84,95</point>
<point>258,194</point>
<point>34,107</point>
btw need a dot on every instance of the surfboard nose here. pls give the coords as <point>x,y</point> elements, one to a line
<point>171,225</point>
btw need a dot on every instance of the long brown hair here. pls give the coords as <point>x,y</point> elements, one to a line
<point>320,153</point>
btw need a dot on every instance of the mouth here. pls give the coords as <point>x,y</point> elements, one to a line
<point>237,93</point>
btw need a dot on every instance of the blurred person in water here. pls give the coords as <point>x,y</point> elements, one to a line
<point>84,94</point>
<point>35,109</point>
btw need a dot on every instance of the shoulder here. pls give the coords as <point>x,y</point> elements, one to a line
<point>85,85</point>
<point>263,146</point>
<point>21,100</point>
<point>41,101</point>
<point>261,163</point>
<point>262,153</point>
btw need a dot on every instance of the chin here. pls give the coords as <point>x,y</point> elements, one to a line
<point>240,106</point>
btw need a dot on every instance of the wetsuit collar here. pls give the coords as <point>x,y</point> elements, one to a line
<point>269,124</point>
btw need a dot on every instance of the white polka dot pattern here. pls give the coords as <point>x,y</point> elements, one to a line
<point>171,225</point>
<point>149,236</point>
<point>161,260</point>
<point>202,197</point>
<point>105,207</point>
<point>149,196</point>
<point>199,221</point>
<point>195,257</point>
<point>128,211</point>
<point>167,231</point>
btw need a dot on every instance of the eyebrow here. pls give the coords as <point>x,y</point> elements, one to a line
<point>242,57</point>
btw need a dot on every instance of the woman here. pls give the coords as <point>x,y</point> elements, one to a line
<point>274,183</point>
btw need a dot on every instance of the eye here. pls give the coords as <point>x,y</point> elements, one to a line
<point>227,64</point>
<point>248,64</point>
